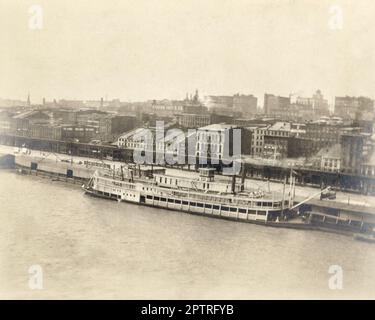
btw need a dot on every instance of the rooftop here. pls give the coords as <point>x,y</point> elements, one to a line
<point>283,126</point>
<point>218,127</point>
<point>27,114</point>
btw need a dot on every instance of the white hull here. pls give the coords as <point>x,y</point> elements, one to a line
<point>150,194</point>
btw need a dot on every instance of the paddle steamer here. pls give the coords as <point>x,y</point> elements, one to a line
<point>206,196</point>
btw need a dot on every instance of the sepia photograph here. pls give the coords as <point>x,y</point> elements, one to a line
<point>187,150</point>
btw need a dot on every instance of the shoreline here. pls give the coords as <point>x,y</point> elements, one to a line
<point>76,183</point>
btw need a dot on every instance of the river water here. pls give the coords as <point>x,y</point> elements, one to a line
<point>93,248</point>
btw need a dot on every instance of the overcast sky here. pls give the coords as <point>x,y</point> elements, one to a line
<point>148,49</point>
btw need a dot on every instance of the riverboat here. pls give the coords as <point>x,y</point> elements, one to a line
<point>203,195</point>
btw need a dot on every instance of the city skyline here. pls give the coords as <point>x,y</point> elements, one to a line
<point>143,51</point>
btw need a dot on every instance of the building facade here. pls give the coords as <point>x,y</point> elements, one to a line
<point>245,104</point>
<point>352,107</point>
<point>276,140</point>
<point>276,105</point>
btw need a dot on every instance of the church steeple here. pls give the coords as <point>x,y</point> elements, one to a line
<point>28,100</point>
<point>196,96</point>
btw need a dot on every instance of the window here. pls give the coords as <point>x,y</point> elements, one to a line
<point>193,204</point>
<point>156,198</point>
<point>224,208</point>
<point>163,199</point>
<point>200,205</point>
<point>185,203</point>
<point>216,207</point>
<point>233,209</point>
<point>171,200</point>
<point>208,206</point>
<point>241,210</point>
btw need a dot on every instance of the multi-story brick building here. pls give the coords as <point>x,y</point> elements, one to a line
<point>197,120</point>
<point>78,133</point>
<point>354,150</point>
<point>219,103</point>
<point>245,104</point>
<point>329,158</point>
<point>46,131</point>
<point>276,140</point>
<point>317,105</point>
<point>276,105</point>
<point>7,125</point>
<point>257,138</point>
<point>351,107</point>
<point>193,120</point>
<point>23,121</point>
<point>326,133</point>
<point>215,140</point>
<point>111,126</point>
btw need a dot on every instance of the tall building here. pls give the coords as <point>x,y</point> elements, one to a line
<point>276,140</point>
<point>214,140</point>
<point>328,134</point>
<point>245,104</point>
<point>352,107</point>
<point>197,120</point>
<point>316,104</point>
<point>353,151</point>
<point>257,138</point>
<point>276,105</point>
<point>238,103</point>
<point>111,126</point>
<point>219,103</point>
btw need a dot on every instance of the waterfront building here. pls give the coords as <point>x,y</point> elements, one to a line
<point>65,115</point>
<point>130,140</point>
<point>6,122</point>
<point>354,150</point>
<point>326,132</point>
<point>329,158</point>
<point>257,138</point>
<point>110,126</point>
<point>368,168</point>
<point>213,141</point>
<point>276,140</point>
<point>46,131</point>
<point>78,133</point>
<point>24,120</point>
